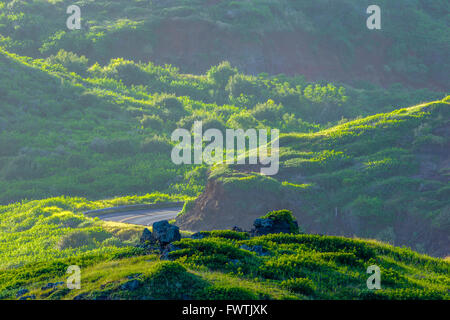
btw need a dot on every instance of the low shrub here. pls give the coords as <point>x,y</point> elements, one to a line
<point>75,239</point>
<point>283,215</point>
<point>226,234</point>
<point>157,145</point>
<point>299,285</point>
<point>153,122</point>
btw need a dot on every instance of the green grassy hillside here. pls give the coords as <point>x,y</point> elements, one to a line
<point>322,39</point>
<point>86,118</point>
<point>40,239</point>
<point>384,176</point>
<point>107,133</point>
<point>55,228</point>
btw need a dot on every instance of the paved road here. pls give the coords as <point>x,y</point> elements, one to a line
<point>142,217</point>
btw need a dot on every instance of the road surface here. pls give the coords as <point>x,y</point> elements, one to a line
<point>142,217</point>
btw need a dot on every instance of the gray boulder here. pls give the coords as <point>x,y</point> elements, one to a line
<point>146,236</point>
<point>268,226</point>
<point>131,285</point>
<point>168,249</point>
<point>257,249</point>
<point>165,233</point>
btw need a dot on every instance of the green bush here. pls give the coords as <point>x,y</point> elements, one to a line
<point>283,216</point>
<point>127,71</point>
<point>75,239</point>
<point>25,167</point>
<point>299,285</point>
<point>71,61</point>
<point>156,145</point>
<point>226,234</point>
<point>221,74</point>
<point>212,123</point>
<point>283,267</point>
<point>113,242</point>
<point>215,253</point>
<point>171,280</point>
<point>169,102</point>
<point>117,147</point>
<point>365,206</point>
<point>268,111</point>
<point>153,122</point>
<point>171,108</point>
<point>242,84</point>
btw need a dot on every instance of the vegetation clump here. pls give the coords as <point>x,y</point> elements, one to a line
<point>283,216</point>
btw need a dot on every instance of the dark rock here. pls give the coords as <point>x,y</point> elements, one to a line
<point>257,249</point>
<point>167,249</point>
<point>21,292</point>
<point>131,285</point>
<point>268,226</point>
<point>263,223</point>
<point>146,236</point>
<point>237,229</point>
<point>165,233</point>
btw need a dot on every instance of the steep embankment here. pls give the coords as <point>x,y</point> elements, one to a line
<point>384,176</point>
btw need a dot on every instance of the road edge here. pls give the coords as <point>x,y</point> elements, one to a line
<point>134,207</point>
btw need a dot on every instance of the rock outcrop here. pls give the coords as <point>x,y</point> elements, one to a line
<point>267,226</point>
<point>165,233</point>
<point>146,236</point>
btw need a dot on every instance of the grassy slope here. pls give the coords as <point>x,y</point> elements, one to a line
<point>216,267</point>
<point>107,133</point>
<point>210,268</point>
<point>413,33</point>
<point>41,238</point>
<point>377,169</point>
<point>384,177</point>
<point>37,231</point>
<point>60,135</point>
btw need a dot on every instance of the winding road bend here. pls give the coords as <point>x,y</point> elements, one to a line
<point>142,217</point>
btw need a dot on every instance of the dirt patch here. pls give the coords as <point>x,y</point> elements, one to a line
<point>217,208</point>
